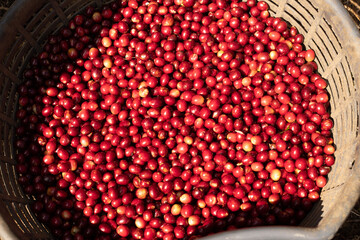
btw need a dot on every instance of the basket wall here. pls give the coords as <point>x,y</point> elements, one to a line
<point>328,30</point>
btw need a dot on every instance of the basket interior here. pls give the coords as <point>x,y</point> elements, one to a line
<point>333,58</point>
<point>312,18</point>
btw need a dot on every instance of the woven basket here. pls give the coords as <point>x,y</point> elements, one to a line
<point>328,29</point>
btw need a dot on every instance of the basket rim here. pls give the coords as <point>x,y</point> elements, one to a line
<point>21,10</point>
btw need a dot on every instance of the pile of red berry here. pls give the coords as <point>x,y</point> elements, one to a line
<point>173,119</point>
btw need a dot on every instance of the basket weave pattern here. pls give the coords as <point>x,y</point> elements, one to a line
<point>24,31</point>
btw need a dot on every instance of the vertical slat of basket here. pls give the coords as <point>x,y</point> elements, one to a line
<point>23,32</point>
<point>16,219</point>
<point>344,181</point>
<point>332,54</point>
